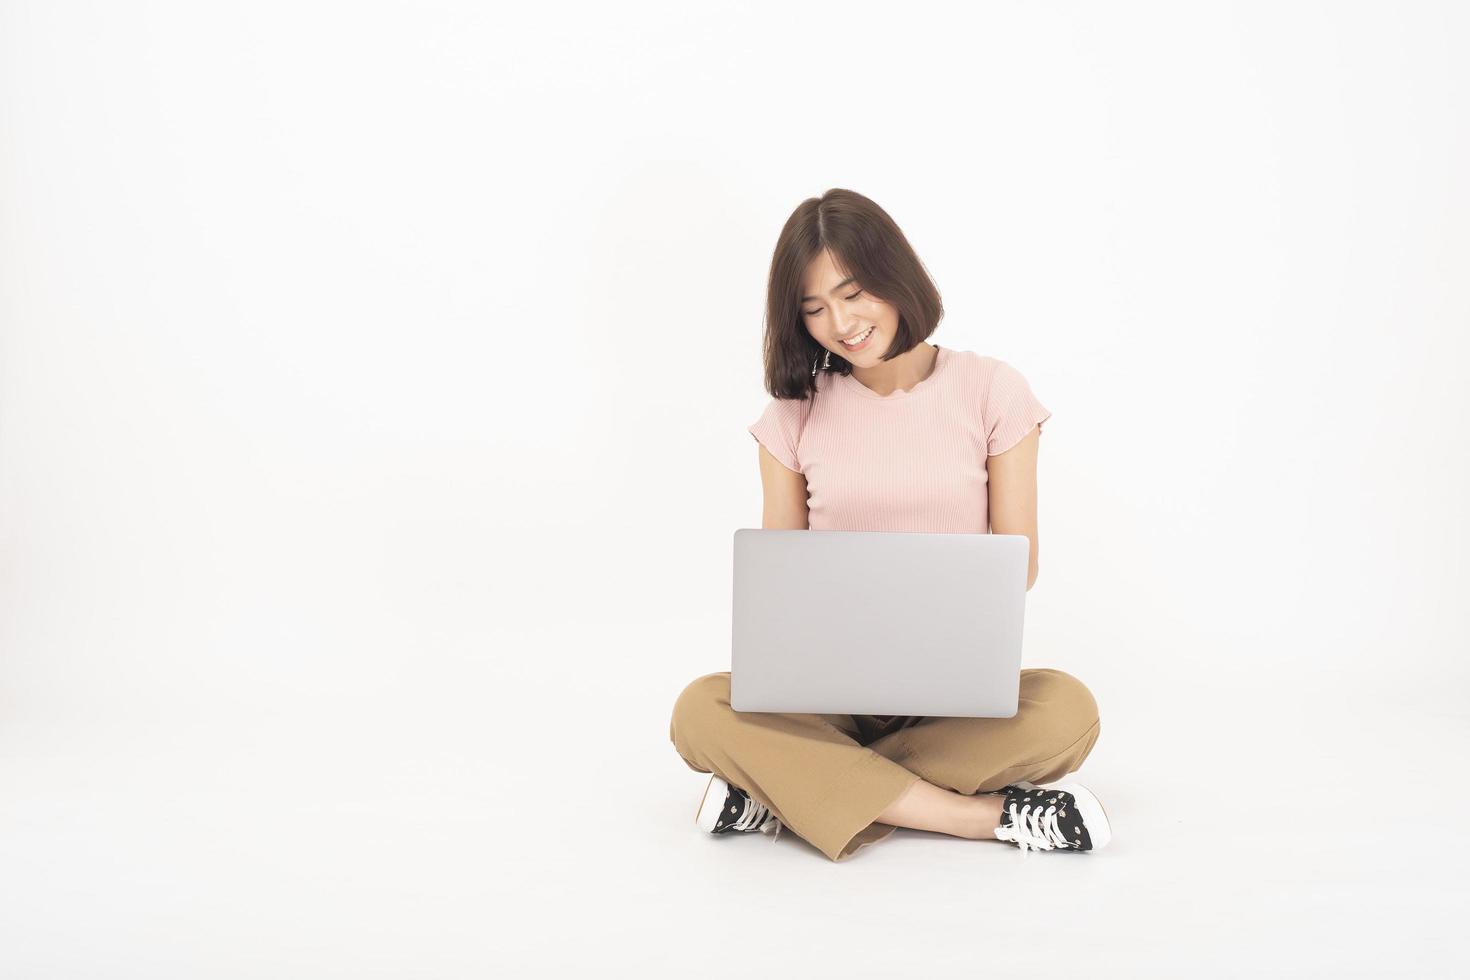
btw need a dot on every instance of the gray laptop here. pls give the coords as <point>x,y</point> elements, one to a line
<point>878,622</point>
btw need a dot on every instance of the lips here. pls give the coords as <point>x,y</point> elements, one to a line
<point>867,336</point>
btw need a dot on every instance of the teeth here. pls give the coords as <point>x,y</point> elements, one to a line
<point>858,339</point>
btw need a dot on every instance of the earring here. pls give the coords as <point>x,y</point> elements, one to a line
<point>826,363</point>
<point>814,365</point>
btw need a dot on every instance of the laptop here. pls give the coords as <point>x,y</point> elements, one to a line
<point>878,622</point>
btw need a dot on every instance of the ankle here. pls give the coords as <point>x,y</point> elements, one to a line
<point>984,816</point>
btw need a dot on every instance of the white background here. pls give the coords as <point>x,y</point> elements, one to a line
<point>373,391</point>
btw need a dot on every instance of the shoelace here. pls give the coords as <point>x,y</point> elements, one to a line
<point>1034,830</point>
<point>758,813</point>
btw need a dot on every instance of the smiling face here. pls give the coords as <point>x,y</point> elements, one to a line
<point>835,307</point>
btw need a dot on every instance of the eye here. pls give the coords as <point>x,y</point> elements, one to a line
<point>819,309</point>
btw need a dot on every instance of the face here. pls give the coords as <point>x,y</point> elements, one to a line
<point>836,307</point>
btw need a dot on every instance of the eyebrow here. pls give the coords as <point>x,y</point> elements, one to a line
<point>846,282</point>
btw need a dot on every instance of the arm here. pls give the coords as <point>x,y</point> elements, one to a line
<point>1012,479</point>
<point>784,494</point>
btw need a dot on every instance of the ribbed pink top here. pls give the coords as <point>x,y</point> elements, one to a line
<point>912,460</point>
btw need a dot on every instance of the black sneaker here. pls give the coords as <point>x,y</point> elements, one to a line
<point>727,808</point>
<point>1054,816</point>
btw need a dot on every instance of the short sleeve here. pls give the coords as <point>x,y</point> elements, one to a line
<point>1010,410</point>
<point>778,429</point>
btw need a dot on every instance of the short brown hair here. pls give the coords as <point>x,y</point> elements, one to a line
<point>866,244</point>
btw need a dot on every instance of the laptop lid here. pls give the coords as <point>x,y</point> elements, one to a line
<point>878,622</point>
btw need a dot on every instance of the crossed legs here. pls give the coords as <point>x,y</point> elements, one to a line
<point>839,794</point>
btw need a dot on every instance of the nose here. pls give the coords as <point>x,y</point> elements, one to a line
<point>846,318</point>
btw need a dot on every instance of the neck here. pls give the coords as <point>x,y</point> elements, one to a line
<point>903,372</point>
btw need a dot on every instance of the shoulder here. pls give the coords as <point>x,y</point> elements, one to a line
<point>973,363</point>
<point>789,413</point>
<point>987,365</point>
<point>992,381</point>
<point>979,373</point>
<point>995,372</point>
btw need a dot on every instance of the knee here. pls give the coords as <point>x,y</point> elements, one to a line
<point>704,698</point>
<point>1066,699</point>
<point>1066,721</point>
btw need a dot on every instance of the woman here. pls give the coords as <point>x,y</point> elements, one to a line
<point>872,428</point>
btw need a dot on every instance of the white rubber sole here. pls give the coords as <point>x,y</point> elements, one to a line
<point>710,804</point>
<point>1099,830</point>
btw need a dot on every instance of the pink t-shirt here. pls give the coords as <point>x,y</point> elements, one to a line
<point>912,460</point>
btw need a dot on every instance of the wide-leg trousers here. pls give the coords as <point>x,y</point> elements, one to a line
<point>827,777</point>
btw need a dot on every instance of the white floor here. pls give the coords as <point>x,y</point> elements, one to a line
<point>493,817</point>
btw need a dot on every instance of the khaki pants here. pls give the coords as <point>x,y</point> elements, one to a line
<point>827,777</point>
